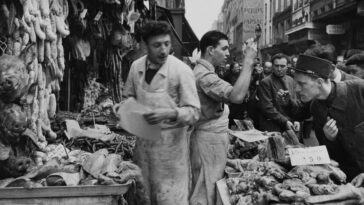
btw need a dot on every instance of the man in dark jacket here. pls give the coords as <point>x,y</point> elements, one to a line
<point>275,115</point>
<point>337,112</point>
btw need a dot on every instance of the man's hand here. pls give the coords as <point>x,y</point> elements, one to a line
<point>250,49</point>
<point>289,125</point>
<point>358,180</point>
<point>330,129</point>
<point>160,114</point>
<point>283,97</point>
<point>295,126</point>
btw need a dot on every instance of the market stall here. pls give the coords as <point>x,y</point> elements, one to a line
<point>269,177</point>
<point>47,48</point>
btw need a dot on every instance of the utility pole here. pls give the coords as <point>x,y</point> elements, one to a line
<point>258,34</point>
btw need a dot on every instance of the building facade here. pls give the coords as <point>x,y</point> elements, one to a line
<point>239,19</point>
<point>343,22</point>
<point>279,19</point>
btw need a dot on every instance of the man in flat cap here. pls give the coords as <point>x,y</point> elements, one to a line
<point>337,113</point>
<point>355,65</point>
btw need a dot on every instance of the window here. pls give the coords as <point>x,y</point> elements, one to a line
<point>265,12</point>
<point>322,10</point>
<point>271,10</point>
<point>315,13</point>
<point>295,4</point>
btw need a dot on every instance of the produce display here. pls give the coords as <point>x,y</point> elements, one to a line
<point>32,65</point>
<point>31,69</point>
<point>81,168</point>
<point>269,177</point>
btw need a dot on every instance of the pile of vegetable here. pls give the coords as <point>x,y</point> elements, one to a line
<point>256,182</point>
<point>81,168</point>
<point>269,177</point>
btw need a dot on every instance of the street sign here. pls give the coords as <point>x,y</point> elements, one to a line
<point>333,29</point>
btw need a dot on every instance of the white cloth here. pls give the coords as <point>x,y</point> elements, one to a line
<point>209,147</point>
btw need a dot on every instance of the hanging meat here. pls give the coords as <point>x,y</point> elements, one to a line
<point>120,44</point>
<point>14,78</point>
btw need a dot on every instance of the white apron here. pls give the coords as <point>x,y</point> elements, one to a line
<point>165,161</point>
<point>209,147</point>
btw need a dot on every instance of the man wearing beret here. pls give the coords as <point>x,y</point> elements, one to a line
<point>337,113</point>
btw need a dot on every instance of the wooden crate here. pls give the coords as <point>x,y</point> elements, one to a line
<point>63,195</point>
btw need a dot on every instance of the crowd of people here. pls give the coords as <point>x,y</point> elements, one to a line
<point>191,106</point>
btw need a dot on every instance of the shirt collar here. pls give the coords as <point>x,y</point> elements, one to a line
<point>338,77</point>
<point>146,65</point>
<point>152,66</point>
<point>206,64</point>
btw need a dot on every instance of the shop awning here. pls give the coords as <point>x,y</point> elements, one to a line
<point>187,40</point>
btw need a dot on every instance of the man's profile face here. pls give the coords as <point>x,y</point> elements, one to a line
<point>221,53</point>
<point>236,68</point>
<point>158,48</point>
<point>280,67</point>
<point>267,68</point>
<point>307,88</point>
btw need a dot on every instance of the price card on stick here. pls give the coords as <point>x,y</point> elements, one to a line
<point>309,156</point>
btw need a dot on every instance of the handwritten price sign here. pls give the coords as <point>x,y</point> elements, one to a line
<point>309,156</point>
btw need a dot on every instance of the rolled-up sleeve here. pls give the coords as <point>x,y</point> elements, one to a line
<point>188,111</point>
<point>215,87</point>
<point>266,103</point>
<point>129,89</point>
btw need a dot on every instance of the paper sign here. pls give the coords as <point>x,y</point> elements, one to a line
<point>309,156</point>
<point>98,16</point>
<point>83,14</point>
<point>132,120</point>
<point>250,135</point>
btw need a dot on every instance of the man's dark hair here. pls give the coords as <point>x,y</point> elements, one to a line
<point>279,56</point>
<point>211,38</point>
<point>326,52</point>
<point>155,28</point>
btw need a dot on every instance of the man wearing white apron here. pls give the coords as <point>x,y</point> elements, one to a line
<point>167,85</point>
<point>209,141</point>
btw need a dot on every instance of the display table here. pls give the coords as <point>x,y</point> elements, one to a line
<point>70,195</point>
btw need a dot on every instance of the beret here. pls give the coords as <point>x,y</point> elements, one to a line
<point>356,59</point>
<point>313,66</point>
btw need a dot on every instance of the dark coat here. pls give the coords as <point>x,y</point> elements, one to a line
<point>274,116</point>
<point>345,76</point>
<point>347,109</point>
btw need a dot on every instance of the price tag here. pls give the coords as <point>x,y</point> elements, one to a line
<point>309,156</point>
<point>98,16</point>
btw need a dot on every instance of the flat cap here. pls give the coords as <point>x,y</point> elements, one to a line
<point>356,59</point>
<point>314,66</point>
